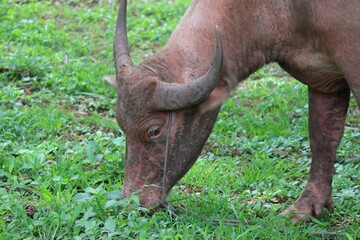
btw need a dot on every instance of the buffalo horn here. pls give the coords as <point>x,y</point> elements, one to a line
<point>121,45</point>
<point>173,96</point>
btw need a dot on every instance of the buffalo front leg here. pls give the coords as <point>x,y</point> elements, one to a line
<point>327,113</point>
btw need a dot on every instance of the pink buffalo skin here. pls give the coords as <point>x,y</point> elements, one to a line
<point>168,104</point>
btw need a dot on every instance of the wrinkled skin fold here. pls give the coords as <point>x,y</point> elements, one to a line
<point>167,105</point>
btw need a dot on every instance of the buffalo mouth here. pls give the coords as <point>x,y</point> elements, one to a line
<point>149,208</point>
<point>160,207</point>
<point>151,198</point>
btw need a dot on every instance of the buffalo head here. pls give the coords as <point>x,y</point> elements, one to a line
<point>165,129</point>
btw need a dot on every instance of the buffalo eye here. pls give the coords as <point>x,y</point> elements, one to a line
<point>154,131</point>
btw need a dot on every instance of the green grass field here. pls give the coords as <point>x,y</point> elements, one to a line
<point>62,152</point>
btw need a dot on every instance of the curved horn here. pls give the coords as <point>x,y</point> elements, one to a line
<point>173,96</point>
<point>121,45</point>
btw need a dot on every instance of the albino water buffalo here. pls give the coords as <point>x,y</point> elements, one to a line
<point>167,105</point>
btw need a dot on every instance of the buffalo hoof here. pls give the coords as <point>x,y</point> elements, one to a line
<point>307,206</point>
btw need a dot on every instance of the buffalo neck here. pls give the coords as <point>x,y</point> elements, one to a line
<point>250,39</point>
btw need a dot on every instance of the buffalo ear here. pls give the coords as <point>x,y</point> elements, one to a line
<point>111,79</point>
<point>215,99</point>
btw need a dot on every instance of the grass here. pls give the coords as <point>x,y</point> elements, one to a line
<point>62,153</point>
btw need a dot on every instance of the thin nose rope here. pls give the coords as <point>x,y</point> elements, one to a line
<point>167,151</point>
